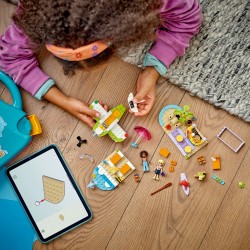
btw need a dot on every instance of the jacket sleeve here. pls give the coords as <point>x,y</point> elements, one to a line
<point>181,20</point>
<point>18,60</point>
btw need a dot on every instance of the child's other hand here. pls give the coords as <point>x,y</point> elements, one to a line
<point>146,90</point>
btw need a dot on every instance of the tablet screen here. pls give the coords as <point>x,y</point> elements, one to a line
<point>49,193</point>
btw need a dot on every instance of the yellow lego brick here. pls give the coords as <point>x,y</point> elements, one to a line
<point>102,127</point>
<point>113,170</point>
<point>115,158</point>
<point>117,113</point>
<point>125,168</point>
<point>164,152</point>
<point>109,120</point>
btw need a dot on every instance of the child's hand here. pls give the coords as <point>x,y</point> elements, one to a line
<point>146,90</point>
<point>77,108</point>
<point>81,110</point>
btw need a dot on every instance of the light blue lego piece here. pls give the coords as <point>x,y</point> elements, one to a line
<point>133,144</point>
<point>91,185</point>
<point>218,179</point>
<point>102,181</point>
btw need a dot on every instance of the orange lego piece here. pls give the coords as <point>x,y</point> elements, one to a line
<point>136,177</point>
<point>115,158</point>
<point>216,162</point>
<point>171,169</point>
<point>164,152</point>
<point>125,168</point>
<point>173,163</point>
<point>201,160</point>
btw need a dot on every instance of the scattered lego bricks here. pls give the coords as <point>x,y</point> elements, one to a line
<point>80,141</point>
<point>136,177</point>
<point>201,160</point>
<point>216,162</point>
<point>164,152</point>
<point>200,175</point>
<point>171,169</point>
<point>166,186</point>
<point>173,164</point>
<point>216,178</point>
<point>241,184</point>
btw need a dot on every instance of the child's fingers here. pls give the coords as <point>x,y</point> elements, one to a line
<point>90,112</point>
<point>104,105</point>
<point>144,109</point>
<point>87,119</point>
<point>142,113</point>
<point>142,92</point>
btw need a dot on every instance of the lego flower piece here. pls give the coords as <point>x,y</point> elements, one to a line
<point>241,184</point>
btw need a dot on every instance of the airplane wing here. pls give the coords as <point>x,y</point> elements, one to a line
<point>117,133</point>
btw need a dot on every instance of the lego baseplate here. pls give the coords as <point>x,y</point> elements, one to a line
<point>111,171</point>
<point>187,138</point>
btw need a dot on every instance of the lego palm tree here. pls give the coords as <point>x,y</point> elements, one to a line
<point>183,115</point>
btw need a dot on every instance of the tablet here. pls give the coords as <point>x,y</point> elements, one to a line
<point>49,193</point>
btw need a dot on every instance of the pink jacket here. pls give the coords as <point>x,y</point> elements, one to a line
<point>181,21</point>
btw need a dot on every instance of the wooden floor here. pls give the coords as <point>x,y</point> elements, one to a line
<point>212,217</point>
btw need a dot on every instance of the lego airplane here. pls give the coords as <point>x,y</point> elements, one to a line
<point>107,123</point>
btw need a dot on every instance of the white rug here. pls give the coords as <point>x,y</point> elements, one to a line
<point>216,67</point>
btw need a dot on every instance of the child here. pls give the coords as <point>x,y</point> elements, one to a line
<point>84,33</point>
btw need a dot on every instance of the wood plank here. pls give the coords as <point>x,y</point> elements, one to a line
<point>6,10</point>
<point>170,219</point>
<point>230,226</point>
<point>213,216</point>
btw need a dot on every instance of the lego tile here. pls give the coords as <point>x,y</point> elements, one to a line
<point>125,168</point>
<point>164,152</point>
<point>115,158</point>
<point>216,162</point>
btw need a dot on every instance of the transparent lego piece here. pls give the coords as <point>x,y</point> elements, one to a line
<point>89,157</point>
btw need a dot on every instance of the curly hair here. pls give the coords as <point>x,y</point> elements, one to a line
<point>77,23</point>
<point>143,153</point>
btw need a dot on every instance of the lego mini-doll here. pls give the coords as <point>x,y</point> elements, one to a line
<point>144,155</point>
<point>158,170</point>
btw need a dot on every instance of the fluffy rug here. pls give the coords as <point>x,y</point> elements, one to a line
<point>216,67</point>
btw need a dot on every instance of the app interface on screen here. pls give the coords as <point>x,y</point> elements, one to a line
<point>48,193</point>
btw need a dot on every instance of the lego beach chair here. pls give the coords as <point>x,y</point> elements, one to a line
<point>16,128</point>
